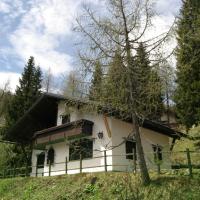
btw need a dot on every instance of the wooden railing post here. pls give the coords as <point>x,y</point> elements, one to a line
<point>66,165</point>
<point>14,171</point>
<point>80,163</point>
<point>134,159</point>
<point>36,170</point>
<point>105,160</point>
<point>189,162</point>
<point>158,168</point>
<point>49,167</point>
<point>26,173</point>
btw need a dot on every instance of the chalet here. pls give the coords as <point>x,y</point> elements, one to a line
<point>67,138</point>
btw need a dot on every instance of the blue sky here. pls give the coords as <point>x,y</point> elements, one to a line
<point>42,28</point>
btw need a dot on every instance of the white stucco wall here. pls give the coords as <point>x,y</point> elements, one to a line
<point>61,111</point>
<point>121,130</point>
<point>115,156</point>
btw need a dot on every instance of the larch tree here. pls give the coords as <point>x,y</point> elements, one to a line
<point>47,82</point>
<point>5,98</point>
<point>122,25</point>
<point>73,85</point>
<point>187,96</point>
<point>168,76</point>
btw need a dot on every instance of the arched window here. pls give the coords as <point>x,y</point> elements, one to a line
<point>40,160</point>
<point>50,156</point>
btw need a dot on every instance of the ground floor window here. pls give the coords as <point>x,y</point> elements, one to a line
<point>40,160</point>
<point>131,150</point>
<point>83,147</point>
<point>157,151</point>
<point>50,156</point>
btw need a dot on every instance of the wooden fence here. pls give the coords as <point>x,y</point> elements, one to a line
<point>187,163</point>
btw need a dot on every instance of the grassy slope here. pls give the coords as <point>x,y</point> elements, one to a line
<point>115,186</point>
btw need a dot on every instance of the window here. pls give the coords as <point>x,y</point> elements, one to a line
<point>131,149</point>
<point>50,156</point>
<point>83,147</point>
<point>65,118</point>
<point>157,151</point>
<point>40,160</point>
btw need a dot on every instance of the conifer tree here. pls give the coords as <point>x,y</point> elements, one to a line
<point>26,93</point>
<point>95,92</point>
<point>148,85</point>
<point>187,96</point>
<point>115,84</point>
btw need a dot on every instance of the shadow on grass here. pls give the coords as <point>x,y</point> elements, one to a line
<point>159,181</point>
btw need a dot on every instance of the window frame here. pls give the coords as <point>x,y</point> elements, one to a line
<point>157,152</point>
<point>40,157</point>
<point>81,149</point>
<point>65,118</point>
<point>132,150</point>
<point>51,157</point>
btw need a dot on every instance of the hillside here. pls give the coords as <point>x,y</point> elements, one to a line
<point>115,186</point>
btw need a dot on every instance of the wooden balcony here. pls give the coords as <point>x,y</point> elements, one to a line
<point>60,133</point>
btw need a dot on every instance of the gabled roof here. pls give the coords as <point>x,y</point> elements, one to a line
<point>36,119</point>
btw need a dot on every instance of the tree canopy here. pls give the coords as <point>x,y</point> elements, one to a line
<point>26,93</point>
<point>121,26</point>
<point>187,96</point>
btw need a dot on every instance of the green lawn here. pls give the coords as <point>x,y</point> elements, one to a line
<point>110,186</point>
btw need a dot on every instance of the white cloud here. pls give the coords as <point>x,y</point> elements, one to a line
<point>42,30</point>
<point>168,7</point>
<point>4,7</point>
<point>45,24</point>
<point>11,77</point>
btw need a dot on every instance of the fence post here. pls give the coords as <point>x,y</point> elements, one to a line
<point>158,168</point>
<point>14,171</point>
<point>26,173</point>
<point>189,162</point>
<point>4,173</point>
<point>134,159</point>
<point>36,170</point>
<point>66,165</point>
<point>49,167</point>
<point>80,163</point>
<point>105,160</point>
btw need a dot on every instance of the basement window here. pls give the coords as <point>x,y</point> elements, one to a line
<point>157,152</point>
<point>83,147</point>
<point>131,150</point>
<point>50,156</point>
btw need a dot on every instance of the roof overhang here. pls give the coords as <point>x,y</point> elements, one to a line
<point>109,111</point>
<point>41,115</point>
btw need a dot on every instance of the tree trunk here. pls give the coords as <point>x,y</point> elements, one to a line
<point>142,162</point>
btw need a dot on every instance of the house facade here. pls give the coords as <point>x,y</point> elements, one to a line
<point>85,141</point>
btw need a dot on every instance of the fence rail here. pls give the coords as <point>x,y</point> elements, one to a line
<point>175,160</point>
